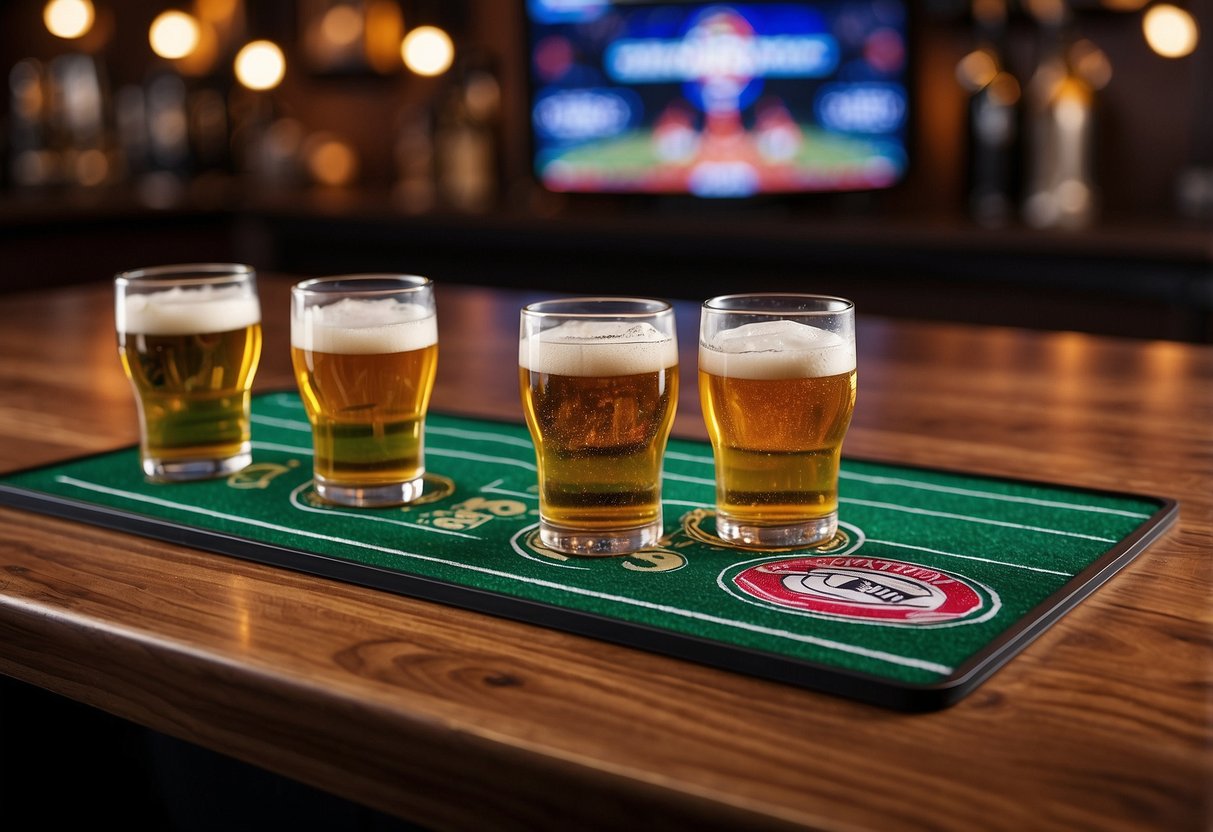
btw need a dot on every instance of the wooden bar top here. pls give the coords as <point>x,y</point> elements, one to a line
<point>459,720</point>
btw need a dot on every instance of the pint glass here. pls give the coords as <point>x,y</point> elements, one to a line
<point>190,338</point>
<point>777,385</point>
<point>599,383</point>
<point>365,349</point>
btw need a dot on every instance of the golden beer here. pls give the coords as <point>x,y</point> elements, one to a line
<point>365,352</point>
<point>367,413</point>
<point>599,443</point>
<point>599,397</point>
<point>778,444</point>
<point>777,389</point>
<point>193,390</point>
<point>191,355</point>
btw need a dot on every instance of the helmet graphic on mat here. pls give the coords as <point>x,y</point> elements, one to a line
<point>862,589</point>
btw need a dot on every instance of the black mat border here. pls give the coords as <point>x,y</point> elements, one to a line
<point>863,687</point>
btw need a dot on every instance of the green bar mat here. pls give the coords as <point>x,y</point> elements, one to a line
<point>935,580</point>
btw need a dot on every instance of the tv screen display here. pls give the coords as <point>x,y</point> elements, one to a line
<point>725,99</point>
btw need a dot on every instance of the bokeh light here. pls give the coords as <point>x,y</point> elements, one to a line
<point>1091,63</point>
<point>260,65</point>
<point>331,161</point>
<point>92,167</point>
<point>384,30</point>
<point>1170,31</point>
<point>976,69</point>
<point>341,25</point>
<point>69,19</point>
<point>1048,12</point>
<point>427,50</point>
<point>174,34</point>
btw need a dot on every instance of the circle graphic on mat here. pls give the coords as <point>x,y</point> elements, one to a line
<point>862,589</point>
<point>436,487</point>
<point>661,556</point>
<point>693,527</point>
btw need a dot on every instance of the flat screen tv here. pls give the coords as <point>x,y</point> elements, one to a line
<point>723,99</point>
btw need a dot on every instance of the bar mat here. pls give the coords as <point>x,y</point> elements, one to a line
<point>935,580</point>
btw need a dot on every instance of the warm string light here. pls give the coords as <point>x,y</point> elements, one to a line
<point>427,50</point>
<point>260,65</point>
<point>330,161</point>
<point>341,26</point>
<point>191,35</point>
<point>174,35</point>
<point>383,33</point>
<point>69,19</point>
<point>1170,31</point>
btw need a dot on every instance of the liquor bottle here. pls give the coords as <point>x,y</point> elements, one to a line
<point>26,137</point>
<point>415,188</point>
<point>466,143</point>
<point>993,118</point>
<point>1060,189</point>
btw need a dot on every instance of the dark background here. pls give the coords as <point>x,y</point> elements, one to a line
<point>1141,268</point>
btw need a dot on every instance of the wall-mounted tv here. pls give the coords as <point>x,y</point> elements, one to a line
<point>718,99</point>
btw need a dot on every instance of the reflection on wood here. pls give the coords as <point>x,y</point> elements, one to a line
<point>454,719</point>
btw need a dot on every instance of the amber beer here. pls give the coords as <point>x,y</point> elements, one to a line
<point>365,353</point>
<point>777,393</point>
<point>599,394</point>
<point>189,338</point>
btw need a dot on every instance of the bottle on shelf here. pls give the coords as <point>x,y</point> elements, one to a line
<point>466,144</point>
<point>1061,189</point>
<point>993,118</point>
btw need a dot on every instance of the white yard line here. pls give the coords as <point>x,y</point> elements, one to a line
<point>286,449</point>
<point>286,424</point>
<point>104,489</point>
<point>707,460</point>
<point>503,460</point>
<point>489,436</point>
<point>456,433</point>
<point>293,449</point>
<point>988,495</point>
<point>742,625</point>
<point>943,489</point>
<point>298,503</point>
<point>481,436</point>
<point>493,488</point>
<point>972,557</point>
<point>966,518</point>
<point>290,401</point>
<point>666,475</point>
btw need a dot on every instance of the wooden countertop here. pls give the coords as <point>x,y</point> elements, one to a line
<point>460,720</point>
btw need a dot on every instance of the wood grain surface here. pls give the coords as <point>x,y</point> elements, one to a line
<point>459,720</point>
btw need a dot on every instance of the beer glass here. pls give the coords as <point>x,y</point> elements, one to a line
<point>365,350</point>
<point>777,385</point>
<point>189,337</point>
<point>599,384</point>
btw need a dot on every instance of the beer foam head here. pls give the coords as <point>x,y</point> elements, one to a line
<point>598,348</point>
<point>777,349</point>
<point>365,326</point>
<point>180,311</point>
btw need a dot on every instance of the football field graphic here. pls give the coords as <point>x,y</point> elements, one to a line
<point>934,581</point>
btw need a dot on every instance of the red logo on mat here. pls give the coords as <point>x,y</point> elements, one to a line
<point>870,589</point>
